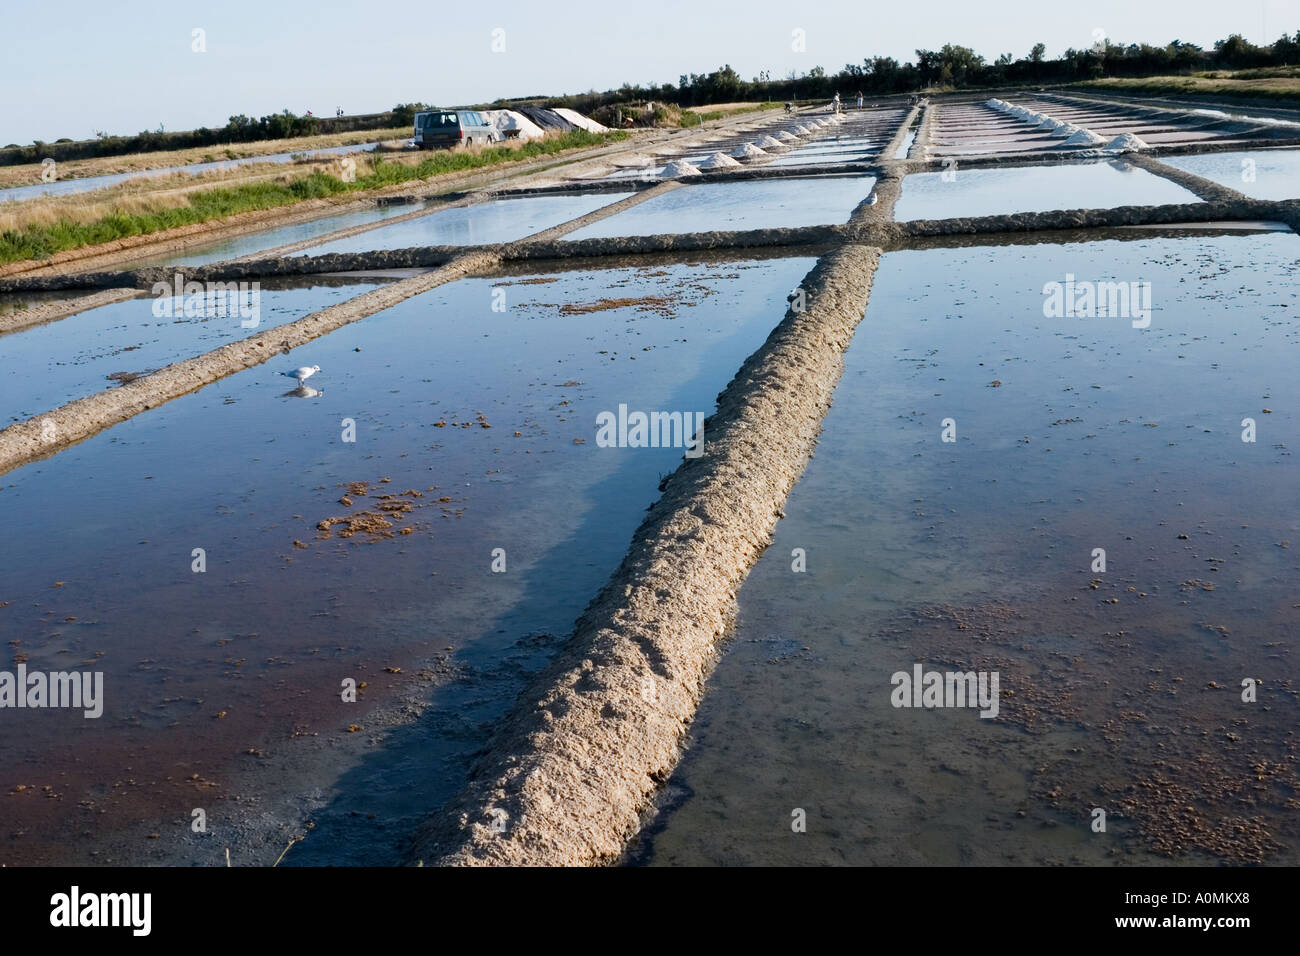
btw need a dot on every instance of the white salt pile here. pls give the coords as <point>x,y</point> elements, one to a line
<point>993,103</point>
<point>1065,130</point>
<point>801,131</point>
<point>719,161</point>
<point>1085,137</point>
<point>580,121</point>
<point>748,151</point>
<point>1050,122</point>
<point>679,168</point>
<point>1126,142</point>
<point>769,143</point>
<point>514,125</point>
<point>786,136</point>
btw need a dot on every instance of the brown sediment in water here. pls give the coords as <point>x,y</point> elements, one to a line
<point>1160,741</point>
<point>663,305</point>
<point>375,522</point>
<point>578,760</point>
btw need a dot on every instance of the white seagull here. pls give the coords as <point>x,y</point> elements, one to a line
<point>304,373</point>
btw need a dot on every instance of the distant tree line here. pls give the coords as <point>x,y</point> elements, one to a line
<point>956,67</point>
<point>240,129</point>
<point>953,67</point>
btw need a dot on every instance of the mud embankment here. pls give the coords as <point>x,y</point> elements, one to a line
<point>1206,189</point>
<point>920,145</point>
<point>176,240</point>
<point>868,225</point>
<point>51,311</point>
<point>604,212</point>
<point>577,761</point>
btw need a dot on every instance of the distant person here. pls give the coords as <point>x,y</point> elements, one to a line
<point>835,103</point>
<point>859,99</point>
<point>338,111</point>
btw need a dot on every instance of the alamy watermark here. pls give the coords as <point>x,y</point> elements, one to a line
<point>208,300</point>
<point>651,430</point>
<point>923,688</point>
<point>1084,299</point>
<point>37,689</point>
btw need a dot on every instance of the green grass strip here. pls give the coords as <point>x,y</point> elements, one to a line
<point>41,242</point>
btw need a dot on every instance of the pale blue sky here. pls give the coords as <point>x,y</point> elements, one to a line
<point>72,68</point>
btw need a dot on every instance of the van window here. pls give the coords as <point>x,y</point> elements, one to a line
<point>436,120</point>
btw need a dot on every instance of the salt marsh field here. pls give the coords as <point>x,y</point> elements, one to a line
<point>361,558</point>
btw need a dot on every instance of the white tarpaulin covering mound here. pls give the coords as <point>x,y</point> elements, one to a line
<point>580,121</point>
<point>514,125</point>
<point>719,161</point>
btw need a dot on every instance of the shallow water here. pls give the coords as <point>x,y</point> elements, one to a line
<point>856,149</point>
<point>46,366</point>
<point>739,205</point>
<point>204,253</point>
<point>1259,173</point>
<point>64,187</point>
<point>500,220</point>
<point>990,192</point>
<point>1071,434</point>
<point>208,673</point>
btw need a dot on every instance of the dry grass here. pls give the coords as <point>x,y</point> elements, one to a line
<point>30,173</point>
<point>43,227</point>
<point>155,193</point>
<point>151,194</point>
<point>1279,84</point>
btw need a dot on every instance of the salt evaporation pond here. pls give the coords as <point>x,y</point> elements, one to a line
<point>991,192</point>
<point>65,187</point>
<point>500,220</point>
<point>829,151</point>
<point>240,246</point>
<point>218,682</point>
<point>1259,173</point>
<point>1071,435</point>
<point>737,205</point>
<point>49,365</point>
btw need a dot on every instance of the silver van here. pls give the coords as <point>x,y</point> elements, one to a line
<point>445,129</point>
